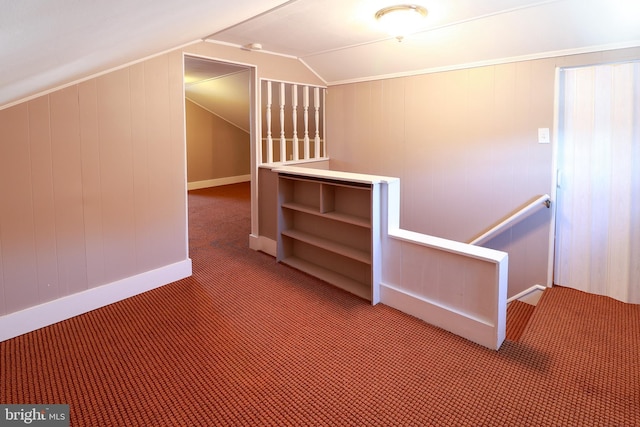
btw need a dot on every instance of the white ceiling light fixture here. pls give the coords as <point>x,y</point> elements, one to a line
<point>401,19</point>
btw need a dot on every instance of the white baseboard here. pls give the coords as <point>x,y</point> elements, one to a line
<point>530,295</point>
<point>196,185</point>
<point>263,244</point>
<point>32,318</point>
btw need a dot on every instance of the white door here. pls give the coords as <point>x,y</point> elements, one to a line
<point>598,194</point>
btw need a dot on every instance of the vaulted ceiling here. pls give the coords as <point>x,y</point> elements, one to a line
<point>45,44</point>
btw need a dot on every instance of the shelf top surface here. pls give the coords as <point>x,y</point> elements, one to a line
<point>336,175</point>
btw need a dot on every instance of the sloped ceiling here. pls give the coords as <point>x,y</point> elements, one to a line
<point>49,43</point>
<point>220,88</point>
<point>45,44</point>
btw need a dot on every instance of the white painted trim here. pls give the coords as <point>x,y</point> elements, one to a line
<point>276,165</point>
<point>497,61</point>
<point>254,132</point>
<point>263,244</point>
<point>314,73</point>
<point>195,185</point>
<point>449,319</point>
<point>555,144</point>
<point>256,147</point>
<point>526,292</point>
<point>96,75</point>
<point>186,52</point>
<point>32,318</point>
<point>311,85</point>
<point>466,249</point>
<point>217,115</point>
<point>184,163</point>
<point>337,175</point>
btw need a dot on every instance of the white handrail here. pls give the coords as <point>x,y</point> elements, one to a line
<point>543,200</point>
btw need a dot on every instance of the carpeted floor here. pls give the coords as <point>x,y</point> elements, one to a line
<point>518,315</point>
<point>247,341</point>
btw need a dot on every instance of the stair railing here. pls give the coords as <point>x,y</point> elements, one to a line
<point>518,216</point>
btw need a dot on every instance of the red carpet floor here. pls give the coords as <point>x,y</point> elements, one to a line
<point>247,341</point>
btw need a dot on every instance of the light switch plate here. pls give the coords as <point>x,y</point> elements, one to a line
<point>544,137</point>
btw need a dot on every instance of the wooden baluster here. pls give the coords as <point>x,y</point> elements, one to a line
<point>305,106</point>
<point>283,139</point>
<point>316,104</point>
<point>269,139</point>
<point>294,105</point>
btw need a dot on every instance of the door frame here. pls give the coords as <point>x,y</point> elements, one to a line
<point>555,143</point>
<point>254,128</point>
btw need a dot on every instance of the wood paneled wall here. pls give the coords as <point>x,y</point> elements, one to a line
<point>92,180</point>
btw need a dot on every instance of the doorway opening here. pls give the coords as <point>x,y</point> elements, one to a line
<point>220,125</point>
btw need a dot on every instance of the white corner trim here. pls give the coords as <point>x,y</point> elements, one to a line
<point>217,115</point>
<point>196,185</point>
<point>32,318</point>
<point>263,244</point>
<point>302,61</point>
<point>526,293</point>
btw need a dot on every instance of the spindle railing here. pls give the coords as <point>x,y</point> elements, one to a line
<point>288,146</point>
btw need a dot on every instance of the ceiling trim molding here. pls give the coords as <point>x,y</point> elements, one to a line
<point>497,61</point>
<point>94,76</point>
<point>268,52</point>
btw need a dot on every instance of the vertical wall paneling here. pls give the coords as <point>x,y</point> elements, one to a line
<point>116,167</point>
<point>19,266</point>
<point>91,182</point>
<point>158,192</point>
<point>67,186</point>
<point>166,190</point>
<point>141,158</point>
<point>43,198</point>
<point>176,176</point>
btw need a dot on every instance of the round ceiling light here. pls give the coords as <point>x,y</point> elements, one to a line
<point>402,19</point>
